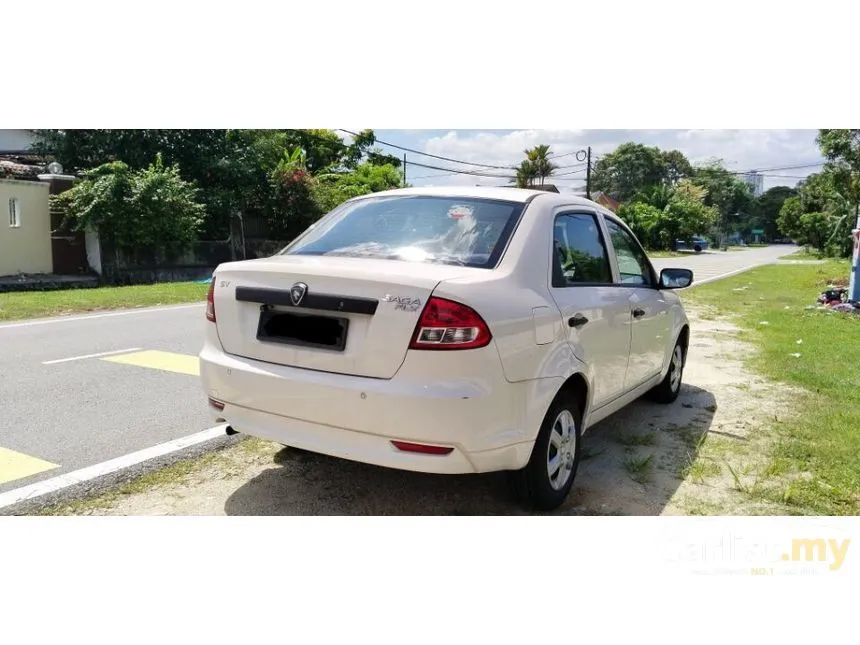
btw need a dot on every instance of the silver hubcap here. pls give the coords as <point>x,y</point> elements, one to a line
<point>675,369</point>
<point>561,450</point>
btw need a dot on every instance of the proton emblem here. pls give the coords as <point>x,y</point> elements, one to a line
<point>297,293</point>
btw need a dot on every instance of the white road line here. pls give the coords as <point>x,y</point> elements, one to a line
<point>60,319</point>
<point>107,467</point>
<point>80,358</point>
<point>729,274</point>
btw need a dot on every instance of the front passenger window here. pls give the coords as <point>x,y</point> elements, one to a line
<point>632,263</point>
<point>579,254</point>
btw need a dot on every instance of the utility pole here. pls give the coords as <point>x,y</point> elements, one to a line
<point>404,170</point>
<point>854,278</point>
<point>588,176</point>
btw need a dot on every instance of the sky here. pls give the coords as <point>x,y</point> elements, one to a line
<point>740,150</point>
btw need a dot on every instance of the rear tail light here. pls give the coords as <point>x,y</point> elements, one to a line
<point>210,302</point>
<point>445,324</point>
<point>218,405</point>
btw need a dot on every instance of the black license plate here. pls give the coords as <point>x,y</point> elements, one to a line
<point>303,330</point>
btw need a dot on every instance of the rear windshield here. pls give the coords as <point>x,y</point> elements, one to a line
<point>446,230</point>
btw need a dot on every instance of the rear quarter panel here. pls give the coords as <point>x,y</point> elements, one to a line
<point>515,301</point>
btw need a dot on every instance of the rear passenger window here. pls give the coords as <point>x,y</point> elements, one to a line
<point>579,254</point>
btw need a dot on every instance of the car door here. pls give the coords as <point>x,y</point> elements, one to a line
<point>648,309</point>
<point>595,313</point>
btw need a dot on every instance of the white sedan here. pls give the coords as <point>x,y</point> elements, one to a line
<point>446,330</point>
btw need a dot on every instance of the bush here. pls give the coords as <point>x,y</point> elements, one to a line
<point>134,210</point>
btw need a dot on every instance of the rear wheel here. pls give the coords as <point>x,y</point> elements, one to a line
<point>546,480</point>
<point>670,386</point>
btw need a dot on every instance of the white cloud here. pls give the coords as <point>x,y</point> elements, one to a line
<point>739,150</point>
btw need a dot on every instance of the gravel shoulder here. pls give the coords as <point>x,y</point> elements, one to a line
<point>693,457</point>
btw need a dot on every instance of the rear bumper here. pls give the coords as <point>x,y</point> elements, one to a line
<point>484,419</point>
<point>368,448</point>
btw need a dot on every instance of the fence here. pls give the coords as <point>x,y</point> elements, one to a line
<point>168,264</point>
<point>249,238</point>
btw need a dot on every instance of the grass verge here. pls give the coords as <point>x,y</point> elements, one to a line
<point>667,254</point>
<point>803,254</point>
<point>40,304</point>
<point>814,467</point>
<point>226,460</point>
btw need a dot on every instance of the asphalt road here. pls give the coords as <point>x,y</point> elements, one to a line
<point>89,410</point>
<point>711,264</point>
<point>59,415</point>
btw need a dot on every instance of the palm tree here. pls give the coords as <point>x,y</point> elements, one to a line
<point>539,158</point>
<point>526,174</point>
<point>657,196</point>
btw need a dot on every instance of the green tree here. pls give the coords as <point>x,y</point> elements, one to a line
<point>535,168</point>
<point>539,158</point>
<point>134,209</point>
<point>526,174</point>
<point>645,221</point>
<point>628,170</point>
<point>663,214</point>
<point>232,168</point>
<point>331,190</point>
<point>820,215</point>
<point>677,165</point>
<point>766,209</point>
<point>788,220</point>
<point>684,218</point>
<point>841,148</point>
<point>657,196</point>
<point>731,197</point>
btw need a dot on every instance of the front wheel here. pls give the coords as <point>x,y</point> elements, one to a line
<point>670,386</point>
<point>546,480</point>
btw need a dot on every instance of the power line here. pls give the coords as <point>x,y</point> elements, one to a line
<point>427,154</point>
<point>759,170</point>
<point>567,154</point>
<point>475,173</point>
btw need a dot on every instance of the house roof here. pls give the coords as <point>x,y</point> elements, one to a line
<point>16,167</point>
<point>602,198</point>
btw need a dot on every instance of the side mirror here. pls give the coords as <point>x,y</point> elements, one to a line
<point>675,278</point>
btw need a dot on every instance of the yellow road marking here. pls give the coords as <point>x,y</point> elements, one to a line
<point>157,360</point>
<point>16,465</point>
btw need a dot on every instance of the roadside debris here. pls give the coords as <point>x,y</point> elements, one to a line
<point>835,298</point>
<point>850,307</point>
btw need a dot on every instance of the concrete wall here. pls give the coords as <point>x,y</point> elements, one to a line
<point>27,248</point>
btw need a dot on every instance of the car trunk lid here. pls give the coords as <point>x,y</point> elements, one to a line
<point>334,314</point>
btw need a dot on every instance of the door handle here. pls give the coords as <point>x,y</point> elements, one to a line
<point>638,313</point>
<point>577,320</point>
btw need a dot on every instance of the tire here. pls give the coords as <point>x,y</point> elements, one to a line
<point>560,437</point>
<point>697,248</point>
<point>670,386</point>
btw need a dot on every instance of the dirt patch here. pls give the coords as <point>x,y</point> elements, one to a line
<point>701,455</point>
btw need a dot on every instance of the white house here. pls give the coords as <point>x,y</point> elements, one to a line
<point>15,141</point>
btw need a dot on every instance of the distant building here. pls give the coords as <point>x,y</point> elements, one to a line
<point>15,142</point>
<point>756,181</point>
<point>603,199</point>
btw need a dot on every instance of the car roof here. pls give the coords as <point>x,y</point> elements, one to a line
<point>520,195</point>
